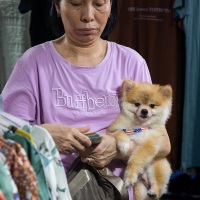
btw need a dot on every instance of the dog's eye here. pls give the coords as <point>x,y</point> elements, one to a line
<point>152,105</point>
<point>137,104</point>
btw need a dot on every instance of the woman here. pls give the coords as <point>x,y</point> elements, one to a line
<point>70,85</point>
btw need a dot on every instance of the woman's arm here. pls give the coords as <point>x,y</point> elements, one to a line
<point>106,151</point>
<point>69,139</point>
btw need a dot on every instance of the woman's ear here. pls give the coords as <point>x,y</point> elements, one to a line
<point>57,5</point>
<point>110,9</point>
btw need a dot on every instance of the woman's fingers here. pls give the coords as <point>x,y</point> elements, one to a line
<point>102,154</point>
<point>84,129</point>
<point>71,142</point>
<point>69,139</point>
<point>77,138</point>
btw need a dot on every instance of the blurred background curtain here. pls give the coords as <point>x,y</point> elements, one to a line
<point>189,12</point>
<point>14,37</point>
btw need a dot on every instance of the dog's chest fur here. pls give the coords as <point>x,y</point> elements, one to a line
<point>140,137</point>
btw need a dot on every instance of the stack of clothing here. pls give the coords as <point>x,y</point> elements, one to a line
<point>30,163</point>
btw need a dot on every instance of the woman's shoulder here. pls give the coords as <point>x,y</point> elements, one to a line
<point>122,50</point>
<point>38,50</point>
<point>35,58</point>
<point>36,55</point>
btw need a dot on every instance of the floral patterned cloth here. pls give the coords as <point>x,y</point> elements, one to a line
<point>20,168</point>
<point>5,183</point>
<point>2,196</point>
<point>13,191</point>
<point>52,164</point>
<point>35,162</point>
<point>45,147</point>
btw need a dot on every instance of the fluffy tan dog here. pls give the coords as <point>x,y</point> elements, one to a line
<point>145,109</point>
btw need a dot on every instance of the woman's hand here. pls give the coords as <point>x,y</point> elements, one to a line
<point>102,154</point>
<point>69,139</point>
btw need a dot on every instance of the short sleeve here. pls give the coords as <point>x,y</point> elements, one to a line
<point>18,98</point>
<point>142,73</point>
<point>145,74</point>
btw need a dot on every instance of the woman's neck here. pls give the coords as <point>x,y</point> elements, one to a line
<point>82,56</point>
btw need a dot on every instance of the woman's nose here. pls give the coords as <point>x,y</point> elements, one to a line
<point>87,14</point>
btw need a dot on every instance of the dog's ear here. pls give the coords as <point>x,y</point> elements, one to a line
<point>166,91</point>
<point>126,86</point>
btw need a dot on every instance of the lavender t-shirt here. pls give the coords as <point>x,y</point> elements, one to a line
<point>46,88</point>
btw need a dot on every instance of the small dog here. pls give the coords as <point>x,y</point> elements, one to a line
<point>145,109</point>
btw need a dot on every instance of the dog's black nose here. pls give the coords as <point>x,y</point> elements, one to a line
<point>144,112</point>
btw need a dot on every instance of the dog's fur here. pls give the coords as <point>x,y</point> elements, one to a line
<point>144,105</point>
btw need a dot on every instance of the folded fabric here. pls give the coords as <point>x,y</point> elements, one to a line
<point>35,162</point>
<point>20,168</point>
<point>13,191</point>
<point>52,164</point>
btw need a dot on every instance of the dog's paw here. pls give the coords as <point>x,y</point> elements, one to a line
<point>141,171</point>
<point>152,194</point>
<point>123,146</point>
<point>123,141</point>
<point>130,178</point>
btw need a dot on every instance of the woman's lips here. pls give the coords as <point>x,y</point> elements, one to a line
<point>87,31</point>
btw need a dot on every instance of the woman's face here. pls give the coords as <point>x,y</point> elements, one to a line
<point>84,20</point>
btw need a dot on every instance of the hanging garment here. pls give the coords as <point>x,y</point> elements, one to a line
<point>20,131</point>
<point>6,123</point>
<point>20,168</point>
<point>53,167</point>
<point>39,20</point>
<point>5,183</point>
<point>2,197</point>
<point>188,12</point>
<point>12,120</point>
<point>25,6</point>
<point>46,149</point>
<point>13,187</point>
<point>14,37</point>
<point>35,162</point>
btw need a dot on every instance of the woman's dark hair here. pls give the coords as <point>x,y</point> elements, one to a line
<point>58,29</point>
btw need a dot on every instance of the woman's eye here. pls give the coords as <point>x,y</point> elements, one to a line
<point>152,105</point>
<point>137,104</point>
<point>76,4</point>
<point>99,4</point>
